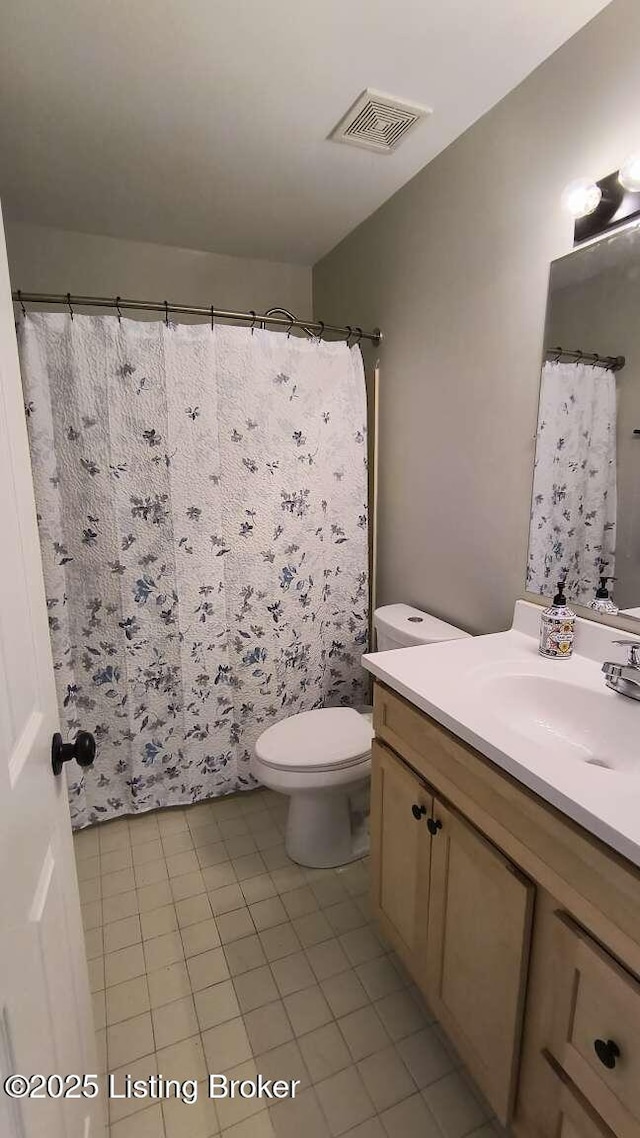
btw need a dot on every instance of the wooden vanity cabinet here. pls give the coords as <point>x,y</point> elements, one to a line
<point>521,930</point>
<point>401,856</point>
<point>574,1117</point>
<point>594,1026</point>
<point>582,1127</point>
<point>478,938</point>
<point>459,915</point>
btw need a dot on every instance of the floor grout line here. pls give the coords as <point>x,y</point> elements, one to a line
<point>337,896</point>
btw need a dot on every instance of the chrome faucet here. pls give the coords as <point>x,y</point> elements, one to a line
<point>625,678</point>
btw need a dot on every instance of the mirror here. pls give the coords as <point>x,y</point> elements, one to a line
<point>585,508</point>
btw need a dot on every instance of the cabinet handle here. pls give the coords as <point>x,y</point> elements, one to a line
<point>433,825</point>
<point>607,1052</point>
<point>418,811</point>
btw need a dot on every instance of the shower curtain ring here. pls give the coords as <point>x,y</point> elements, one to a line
<point>349,334</point>
<point>254,317</point>
<point>212,318</point>
<point>321,332</point>
<point>291,323</point>
<point>21,303</point>
<point>69,305</point>
<point>557,359</point>
<point>166,313</point>
<point>360,335</point>
<point>118,299</point>
<point>579,355</point>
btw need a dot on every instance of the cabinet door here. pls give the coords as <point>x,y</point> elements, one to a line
<point>576,1116</point>
<point>400,854</point>
<point>569,1128</point>
<point>576,1123</point>
<point>477,953</point>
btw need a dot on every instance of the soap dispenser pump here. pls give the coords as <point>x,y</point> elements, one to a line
<point>556,628</point>
<point>602,602</point>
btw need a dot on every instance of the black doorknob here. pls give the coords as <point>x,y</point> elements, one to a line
<point>83,750</point>
<point>433,825</point>
<point>418,811</point>
<point>607,1051</point>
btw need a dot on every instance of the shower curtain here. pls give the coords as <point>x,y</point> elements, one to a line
<point>202,503</point>
<point>573,513</point>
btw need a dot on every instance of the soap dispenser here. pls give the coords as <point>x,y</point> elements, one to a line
<point>556,628</point>
<point>602,602</point>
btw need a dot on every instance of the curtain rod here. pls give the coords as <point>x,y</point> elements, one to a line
<point>614,363</point>
<point>278,316</point>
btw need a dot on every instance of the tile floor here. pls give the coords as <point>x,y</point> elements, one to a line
<point>209,950</point>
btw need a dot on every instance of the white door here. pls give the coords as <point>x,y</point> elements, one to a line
<point>46,1025</point>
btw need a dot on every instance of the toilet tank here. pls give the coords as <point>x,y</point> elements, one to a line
<point>400,626</point>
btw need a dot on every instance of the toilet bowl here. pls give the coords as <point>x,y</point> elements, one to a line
<point>321,759</point>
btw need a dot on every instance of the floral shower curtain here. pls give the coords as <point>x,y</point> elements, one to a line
<point>202,502</point>
<point>573,513</point>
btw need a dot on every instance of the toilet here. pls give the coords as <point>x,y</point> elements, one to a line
<point>321,759</point>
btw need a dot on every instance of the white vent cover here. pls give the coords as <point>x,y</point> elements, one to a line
<point>378,122</point>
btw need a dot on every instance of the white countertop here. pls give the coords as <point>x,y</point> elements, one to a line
<point>551,724</point>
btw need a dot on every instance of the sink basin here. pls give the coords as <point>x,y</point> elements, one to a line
<point>553,725</point>
<point>575,723</point>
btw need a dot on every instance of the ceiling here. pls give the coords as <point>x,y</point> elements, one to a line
<point>204,123</point>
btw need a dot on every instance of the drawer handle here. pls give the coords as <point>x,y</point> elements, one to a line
<point>433,825</point>
<point>607,1052</point>
<point>418,811</point>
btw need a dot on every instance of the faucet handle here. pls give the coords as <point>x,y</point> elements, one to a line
<point>634,651</point>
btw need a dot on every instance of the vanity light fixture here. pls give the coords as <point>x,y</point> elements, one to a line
<point>598,207</point>
<point>581,197</point>
<point>629,174</point>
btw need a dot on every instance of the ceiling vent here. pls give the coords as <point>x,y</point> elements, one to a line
<point>378,122</point>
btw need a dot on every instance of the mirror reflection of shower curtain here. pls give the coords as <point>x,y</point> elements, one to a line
<point>202,502</point>
<point>573,512</point>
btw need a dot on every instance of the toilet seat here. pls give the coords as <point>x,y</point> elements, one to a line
<point>327,739</point>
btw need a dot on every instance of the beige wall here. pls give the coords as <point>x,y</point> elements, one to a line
<point>42,259</point>
<point>454,268</point>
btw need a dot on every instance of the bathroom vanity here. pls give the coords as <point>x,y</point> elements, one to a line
<point>506,870</point>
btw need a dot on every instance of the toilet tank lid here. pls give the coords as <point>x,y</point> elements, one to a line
<point>413,626</point>
<point>320,739</point>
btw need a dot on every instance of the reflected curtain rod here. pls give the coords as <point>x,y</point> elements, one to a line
<point>278,316</point>
<point>614,363</point>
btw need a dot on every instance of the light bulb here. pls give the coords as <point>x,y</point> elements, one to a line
<point>581,197</point>
<point>629,174</point>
